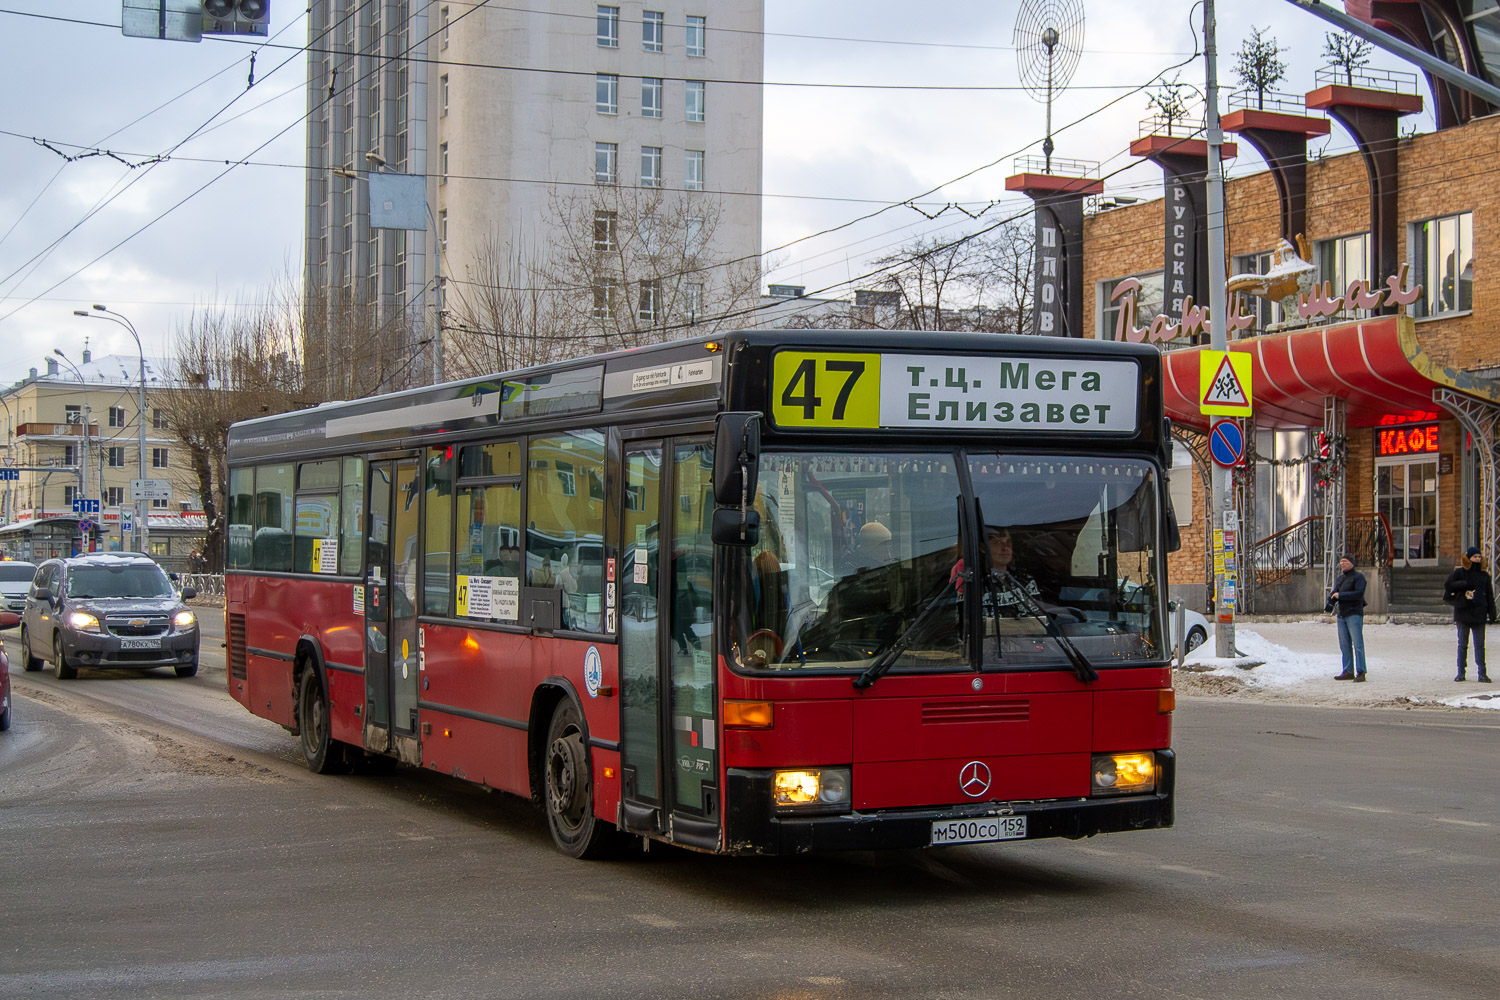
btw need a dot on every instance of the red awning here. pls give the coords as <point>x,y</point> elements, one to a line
<point>1376,366</point>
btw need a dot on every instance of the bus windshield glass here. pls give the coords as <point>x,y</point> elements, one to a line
<point>861,560</point>
<point>1069,557</point>
<point>854,549</point>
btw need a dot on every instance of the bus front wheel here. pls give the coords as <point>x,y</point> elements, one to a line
<point>324,755</point>
<point>569,789</point>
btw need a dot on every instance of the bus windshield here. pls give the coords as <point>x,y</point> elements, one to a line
<point>860,554</point>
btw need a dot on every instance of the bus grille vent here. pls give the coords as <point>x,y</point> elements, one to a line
<point>1011,710</point>
<point>237,646</point>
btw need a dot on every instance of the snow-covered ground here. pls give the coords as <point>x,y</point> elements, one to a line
<point>1408,665</point>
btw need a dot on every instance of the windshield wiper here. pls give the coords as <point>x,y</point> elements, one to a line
<point>1081,666</point>
<point>886,659</point>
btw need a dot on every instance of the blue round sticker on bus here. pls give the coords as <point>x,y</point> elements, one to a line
<point>593,671</point>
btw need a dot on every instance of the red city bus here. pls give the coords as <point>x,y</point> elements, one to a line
<point>770,592</point>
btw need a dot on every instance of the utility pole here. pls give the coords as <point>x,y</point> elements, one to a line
<point>1220,512</point>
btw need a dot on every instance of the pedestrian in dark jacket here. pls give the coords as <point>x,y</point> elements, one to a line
<point>1472,595</point>
<point>1348,598</point>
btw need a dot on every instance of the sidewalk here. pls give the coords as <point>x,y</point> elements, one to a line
<point>1409,665</point>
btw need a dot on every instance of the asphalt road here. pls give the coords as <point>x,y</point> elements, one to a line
<point>157,841</point>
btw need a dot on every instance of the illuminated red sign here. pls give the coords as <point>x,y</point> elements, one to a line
<point>1407,440</point>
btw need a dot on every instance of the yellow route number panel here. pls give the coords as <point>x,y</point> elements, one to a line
<point>822,389</point>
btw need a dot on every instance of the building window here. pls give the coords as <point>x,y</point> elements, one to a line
<point>650,166</point>
<point>159,418</point>
<point>607,93</point>
<point>692,236</point>
<point>70,454</point>
<point>443,92</point>
<point>442,230</point>
<point>117,416</point>
<point>114,496</point>
<point>116,456</point>
<point>1341,261</point>
<point>606,155</point>
<point>158,458</point>
<point>604,299</point>
<point>1267,313</point>
<point>695,100</point>
<point>1442,253</point>
<point>442,163</point>
<point>651,30</point>
<point>70,493</point>
<point>608,26</point>
<point>604,230</point>
<point>693,299</point>
<point>159,504</point>
<point>1148,303</point>
<point>693,174</point>
<point>73,414</point>
<point>650,97</point>
<point>697,35</point>
<point>443,20</point>
<point>650,301</point>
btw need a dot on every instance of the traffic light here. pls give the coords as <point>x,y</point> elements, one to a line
<point>236,17</point>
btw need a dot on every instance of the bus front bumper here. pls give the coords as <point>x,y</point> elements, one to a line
<point>753,828</point>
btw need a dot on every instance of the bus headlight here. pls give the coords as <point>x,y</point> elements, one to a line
<point>812,790</point>
<point>1124,773</point>
<point>83,621</point>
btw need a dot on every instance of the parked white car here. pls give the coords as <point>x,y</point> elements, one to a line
<point>1195,626</point>
<point>15,584</point>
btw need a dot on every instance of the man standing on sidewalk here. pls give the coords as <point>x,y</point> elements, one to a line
<point>1348,599</point>
<point>1472,595</point>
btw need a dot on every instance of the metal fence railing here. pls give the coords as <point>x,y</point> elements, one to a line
<point>207,584</point>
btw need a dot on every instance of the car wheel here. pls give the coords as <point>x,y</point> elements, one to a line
<point>5,719</point>
<point>27,660</point>
<point>568,790</point>
<point>1195,638</point>
<point>324,754</point>
<point>65,670</point>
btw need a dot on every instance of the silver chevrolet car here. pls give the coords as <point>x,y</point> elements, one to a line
<point>113,610</point>
<point>15,582</point>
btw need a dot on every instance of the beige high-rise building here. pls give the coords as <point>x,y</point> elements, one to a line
<point>525,124</point>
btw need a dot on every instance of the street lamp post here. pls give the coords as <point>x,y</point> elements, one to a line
<point>83,477</point>
<point>143,506</point>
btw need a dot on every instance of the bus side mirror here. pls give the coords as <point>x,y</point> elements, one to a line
<point>736,459</point>
<point>732,526</point>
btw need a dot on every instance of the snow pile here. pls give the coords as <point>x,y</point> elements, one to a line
<point>1279,666</point>
<point>1476,701</point>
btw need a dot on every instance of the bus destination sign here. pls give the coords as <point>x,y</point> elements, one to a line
<point>821,389</point>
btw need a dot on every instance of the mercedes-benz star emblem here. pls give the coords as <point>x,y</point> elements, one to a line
<point>974,779</point>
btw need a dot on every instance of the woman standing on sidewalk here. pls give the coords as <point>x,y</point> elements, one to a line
<point>1472,595</point>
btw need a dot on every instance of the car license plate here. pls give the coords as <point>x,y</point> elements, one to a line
<point>981,830</point>
<point>140,643</point>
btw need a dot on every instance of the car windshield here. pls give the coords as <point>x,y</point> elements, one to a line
<point>853,549</point>
<point>16,572</point>
<point>133,580</point>
<point>1071,553</point>
<point>862,554</point>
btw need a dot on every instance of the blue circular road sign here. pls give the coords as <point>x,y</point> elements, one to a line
<point>1226,442</point>
<point>85,525</point>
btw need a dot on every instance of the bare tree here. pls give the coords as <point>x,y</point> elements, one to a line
<point>1168,103</point>
<point>1346,52</point>
<point>500,317</point>
<point>1258,63</point>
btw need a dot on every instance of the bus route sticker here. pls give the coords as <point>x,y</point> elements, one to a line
<point>593,671</point>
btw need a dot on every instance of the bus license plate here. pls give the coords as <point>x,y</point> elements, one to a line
<point>978,831</point>
<point>140,643</point>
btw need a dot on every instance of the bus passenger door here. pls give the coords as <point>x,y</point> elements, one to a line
<point>669,729</point>
<point>391,654</point>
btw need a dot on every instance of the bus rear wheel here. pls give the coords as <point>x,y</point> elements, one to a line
<point>324,754</point>
<point>569,789</point>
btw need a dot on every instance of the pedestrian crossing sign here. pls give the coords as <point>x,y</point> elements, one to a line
<point>1224,383</point>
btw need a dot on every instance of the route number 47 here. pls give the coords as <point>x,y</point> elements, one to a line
<point>812,389</point>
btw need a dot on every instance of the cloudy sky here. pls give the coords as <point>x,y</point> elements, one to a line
<point>142,175</point>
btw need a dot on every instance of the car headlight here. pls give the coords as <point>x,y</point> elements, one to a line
<point>184,619</point>
<point>83,621</point>
<point>811,790</point>
<point>1124,773</point>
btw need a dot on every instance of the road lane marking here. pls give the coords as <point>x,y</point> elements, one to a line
<point>1184,869</point>
<point>1459,822</point>
<point>652,920</point>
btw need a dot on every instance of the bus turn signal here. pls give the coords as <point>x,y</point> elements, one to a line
<point>748,714</point>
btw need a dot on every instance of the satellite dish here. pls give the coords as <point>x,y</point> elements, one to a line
<point>1048,39</point>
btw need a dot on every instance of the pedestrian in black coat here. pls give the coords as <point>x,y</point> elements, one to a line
<point>1472,595</point>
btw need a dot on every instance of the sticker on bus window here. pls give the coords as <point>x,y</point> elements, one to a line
<point>641,566</point>
<point>593,671</point>
<point>359,599</point>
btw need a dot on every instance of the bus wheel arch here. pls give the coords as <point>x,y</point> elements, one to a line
<point>312,715</point>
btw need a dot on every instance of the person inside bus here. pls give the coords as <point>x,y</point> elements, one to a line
<point>566,580</point>
<point>874,545</point>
